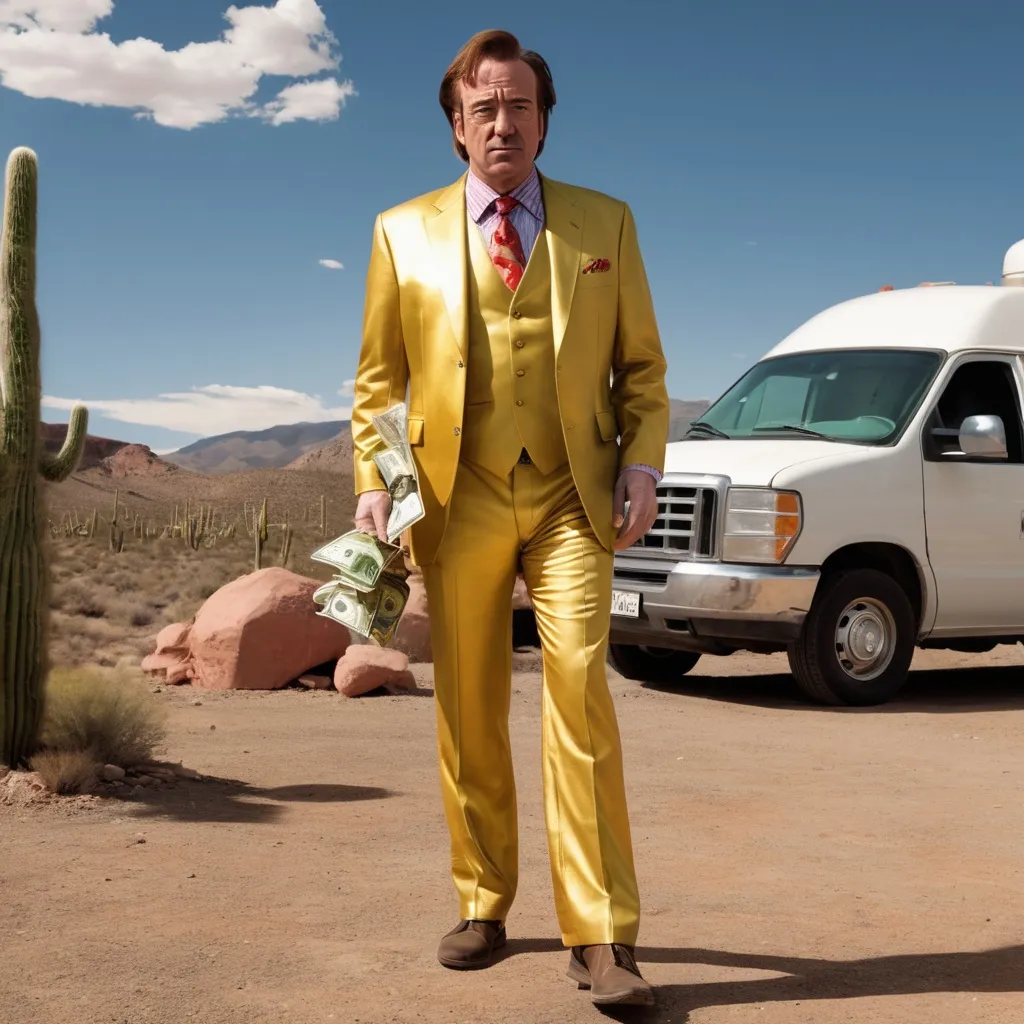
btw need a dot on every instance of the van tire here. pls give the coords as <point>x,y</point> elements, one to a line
<point>836,660</point>
<point>651,664</point>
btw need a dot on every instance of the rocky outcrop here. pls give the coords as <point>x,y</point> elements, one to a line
<point>259,632</point>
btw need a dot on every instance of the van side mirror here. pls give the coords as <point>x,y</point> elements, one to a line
<point>980,437</point>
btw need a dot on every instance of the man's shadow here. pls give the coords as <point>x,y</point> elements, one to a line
<point>991,970</point>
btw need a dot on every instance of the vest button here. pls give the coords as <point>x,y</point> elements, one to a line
<point>520,373</point>
<point>517,314</point>
<point>461,364</point>
<point>520,343</point>
<point>519,401</point>
<point>456,431</point>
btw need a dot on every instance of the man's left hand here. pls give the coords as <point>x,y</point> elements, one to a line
<point>639,488</point>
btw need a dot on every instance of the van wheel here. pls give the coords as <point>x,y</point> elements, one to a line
<point>651,664</point>
<point>857,641</point>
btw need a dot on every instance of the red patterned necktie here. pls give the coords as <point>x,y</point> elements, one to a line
<point>506,249</point>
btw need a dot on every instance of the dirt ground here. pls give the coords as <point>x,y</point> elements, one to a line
<point>798,865</point>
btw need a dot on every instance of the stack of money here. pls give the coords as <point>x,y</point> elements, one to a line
<point>369,591</point>
<point>394,461</point>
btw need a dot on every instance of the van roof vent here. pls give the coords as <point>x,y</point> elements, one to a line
<point>1013,265</point>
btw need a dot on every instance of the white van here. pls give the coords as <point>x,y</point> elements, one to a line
<point>859,492</point>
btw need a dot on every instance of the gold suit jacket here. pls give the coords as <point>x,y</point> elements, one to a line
<point>612,400</point>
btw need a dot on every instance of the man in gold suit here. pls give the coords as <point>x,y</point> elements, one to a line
<point>514,315</point>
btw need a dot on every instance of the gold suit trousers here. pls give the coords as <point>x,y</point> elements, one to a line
<point>495,526</point>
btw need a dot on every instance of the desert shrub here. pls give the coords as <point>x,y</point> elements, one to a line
<point>122,582</point>
<point>141,617</point>
<point>65,771</point>
<point>205,589</point>
<point>109,714</point>
<point>81,600</point>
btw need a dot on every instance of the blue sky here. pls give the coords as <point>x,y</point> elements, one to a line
<point>778,157</point>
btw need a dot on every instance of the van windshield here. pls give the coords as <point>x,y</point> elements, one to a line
<point>860,395</point>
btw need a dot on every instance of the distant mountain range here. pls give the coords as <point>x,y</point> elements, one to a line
<point>242,450</point>
<point>323,446</point>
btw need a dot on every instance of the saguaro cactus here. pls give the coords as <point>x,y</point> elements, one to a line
<point>23,570</point>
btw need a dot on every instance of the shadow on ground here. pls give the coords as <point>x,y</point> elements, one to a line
<point>806,980</point>
<point>934,691</point>
<point>228,800</point>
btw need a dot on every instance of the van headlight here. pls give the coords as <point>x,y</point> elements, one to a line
<point>761,524</point>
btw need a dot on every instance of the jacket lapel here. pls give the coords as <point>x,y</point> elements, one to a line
<point>563,229</point>
<point>446,230</point>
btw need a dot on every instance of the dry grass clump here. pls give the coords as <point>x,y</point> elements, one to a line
<point>65,771</point>
<point>105,717</point>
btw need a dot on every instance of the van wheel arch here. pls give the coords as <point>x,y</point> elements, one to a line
<point>895,561</point>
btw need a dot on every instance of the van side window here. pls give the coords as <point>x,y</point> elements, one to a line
<point>981,388</point>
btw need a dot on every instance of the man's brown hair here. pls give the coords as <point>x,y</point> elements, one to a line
<point>496,45</point>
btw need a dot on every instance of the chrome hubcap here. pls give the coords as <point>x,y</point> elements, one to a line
<point>865,635</point>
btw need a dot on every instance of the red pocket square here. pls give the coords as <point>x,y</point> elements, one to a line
<point>597,266</point>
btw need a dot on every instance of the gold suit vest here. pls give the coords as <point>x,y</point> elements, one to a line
<point>511,397</point>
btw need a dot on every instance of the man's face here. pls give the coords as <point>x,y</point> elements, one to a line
<point>500,122</point>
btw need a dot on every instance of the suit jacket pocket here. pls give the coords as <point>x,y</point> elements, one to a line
<point>607,425</point>
<point>415,430</point>
<point>595,282</point>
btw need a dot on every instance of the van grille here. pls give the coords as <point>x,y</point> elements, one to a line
<point>685,526</point>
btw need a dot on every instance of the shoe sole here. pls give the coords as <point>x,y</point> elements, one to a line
<point>473,965</point>
<point>628,997</point>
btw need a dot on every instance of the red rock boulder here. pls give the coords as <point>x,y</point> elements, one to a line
<point>366,667</point>
<point>260,632</point>
<point>172,653</point>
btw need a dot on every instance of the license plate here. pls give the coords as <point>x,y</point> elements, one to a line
<point>625,602</point>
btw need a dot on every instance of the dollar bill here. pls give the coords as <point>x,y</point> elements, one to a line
<point>351,608</point>
<point>402,482</point>
<point>394,594</point>
<point>358,556</point>
<point>397,467</point>
<point>374,615</point>
<point>392,426</point>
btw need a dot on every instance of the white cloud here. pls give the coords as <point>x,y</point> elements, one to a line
<point>348,389</point>
<point>751,244</point>
<point>213,408</point>
<point>64,15</point>
<point>331,264</point>
<point>50,49</point>
<point>318,100</point>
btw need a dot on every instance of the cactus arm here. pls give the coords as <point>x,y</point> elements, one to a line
<point>60,466</point>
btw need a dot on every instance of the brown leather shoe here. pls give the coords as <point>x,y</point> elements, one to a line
<point>470,945</point>
<point>611,974</point>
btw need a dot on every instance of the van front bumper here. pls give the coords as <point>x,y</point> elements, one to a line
<point>712,606</point>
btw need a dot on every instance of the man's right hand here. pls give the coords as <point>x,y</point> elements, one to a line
<point>372,513</point>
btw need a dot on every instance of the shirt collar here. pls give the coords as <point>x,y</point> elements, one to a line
<point>480,196</point>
